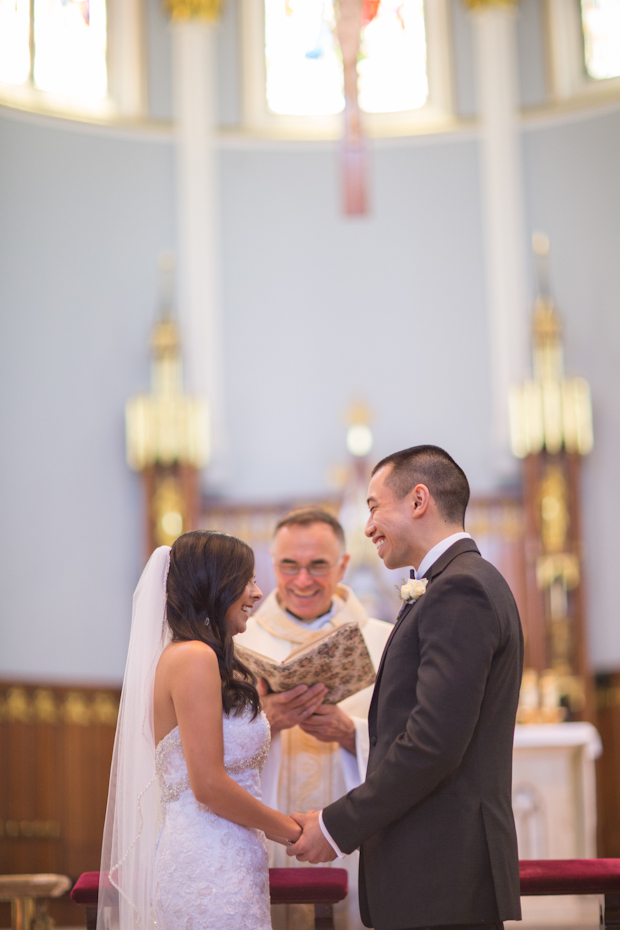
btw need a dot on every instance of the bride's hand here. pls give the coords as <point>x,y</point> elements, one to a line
<point>283,839</point>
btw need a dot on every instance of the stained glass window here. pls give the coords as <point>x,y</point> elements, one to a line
<point>304,66</point>
<point>601,30</point>
<point>392,66</point>
<point>69,41</point>
<point>14,41</point>
<point>304,71</point>
<point>70,47</point>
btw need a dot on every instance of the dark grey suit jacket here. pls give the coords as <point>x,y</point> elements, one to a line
<point>433,819</point>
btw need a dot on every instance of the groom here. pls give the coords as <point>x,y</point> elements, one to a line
<point>433,820</point>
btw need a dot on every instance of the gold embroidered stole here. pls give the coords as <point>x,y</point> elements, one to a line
<point>310,774</point>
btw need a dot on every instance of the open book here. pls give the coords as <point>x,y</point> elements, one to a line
<point>339,659</point>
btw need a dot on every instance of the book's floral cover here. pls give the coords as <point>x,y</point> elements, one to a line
<point>339,660</point>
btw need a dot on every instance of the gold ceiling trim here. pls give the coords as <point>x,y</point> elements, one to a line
<point>184,10</point>
<point>487,4</point>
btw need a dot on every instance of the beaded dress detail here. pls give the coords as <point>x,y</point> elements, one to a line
<point>210,873</point>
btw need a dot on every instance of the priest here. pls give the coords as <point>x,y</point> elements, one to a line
<point>318,751</point>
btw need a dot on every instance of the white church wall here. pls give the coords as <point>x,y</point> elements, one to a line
<point>318,309</point>
<point>531,53</point>
<point>229,65</point>
<point>573,194</point>
<point>158,60</point>
<point>530,38</point>
<point>321,309</point>
<point>530,50</point>
<point>83,217</point>
<point>463,60</point>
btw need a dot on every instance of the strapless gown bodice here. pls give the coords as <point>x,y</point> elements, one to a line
<point>211,872</point>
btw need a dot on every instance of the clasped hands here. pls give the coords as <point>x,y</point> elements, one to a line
<point>311,845</point>
<point>304,707</point>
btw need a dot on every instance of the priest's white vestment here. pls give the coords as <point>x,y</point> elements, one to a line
<point>301,772</point>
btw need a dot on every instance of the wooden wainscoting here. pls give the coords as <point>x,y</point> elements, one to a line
<point>56,747</point>
<point>608,766</point>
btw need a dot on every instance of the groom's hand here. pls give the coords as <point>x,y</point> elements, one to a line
<point>331,725</point>
<point>312,845</point>
<point>287,709</point>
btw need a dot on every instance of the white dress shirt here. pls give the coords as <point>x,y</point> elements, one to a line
<point>429,559</point>
<point>433,554</point>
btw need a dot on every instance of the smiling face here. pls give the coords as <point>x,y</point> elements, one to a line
<point>238,613</point>
<point>313,546</point>
<point>391,524</point>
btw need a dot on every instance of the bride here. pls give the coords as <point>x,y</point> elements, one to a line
<point>184,838</point>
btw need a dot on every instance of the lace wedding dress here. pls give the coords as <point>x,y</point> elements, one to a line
<point>210,873</point>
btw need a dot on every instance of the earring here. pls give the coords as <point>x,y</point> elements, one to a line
<point>207,622</point>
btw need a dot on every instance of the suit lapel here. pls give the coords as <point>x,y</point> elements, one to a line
<point>460,546</point>
<point>404,612</point>
<point>405,609</point>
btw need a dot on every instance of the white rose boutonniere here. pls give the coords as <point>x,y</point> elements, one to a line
<point>412,590</point>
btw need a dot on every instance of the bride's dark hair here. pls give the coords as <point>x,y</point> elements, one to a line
<point>208,573</point>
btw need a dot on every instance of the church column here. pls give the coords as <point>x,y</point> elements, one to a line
<point>199,298</point>
<point>502,201</point>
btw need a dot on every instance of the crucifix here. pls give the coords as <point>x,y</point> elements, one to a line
<point>352,16</point>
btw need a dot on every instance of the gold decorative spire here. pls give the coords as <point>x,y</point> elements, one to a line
<point>549,411</point>
<point>166,427</point>
<point>548,352</point>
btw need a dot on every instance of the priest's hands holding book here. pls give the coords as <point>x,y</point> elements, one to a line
<point>286,709</point>
<point>330,724</point>
<point>303,706</point>
<point>312,845</point>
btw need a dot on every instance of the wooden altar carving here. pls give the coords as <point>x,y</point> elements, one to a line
<point>551,428</point>
<point>167,441</point>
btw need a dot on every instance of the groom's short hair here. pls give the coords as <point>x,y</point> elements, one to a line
<point>432,466</point>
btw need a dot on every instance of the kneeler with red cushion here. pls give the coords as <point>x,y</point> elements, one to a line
<point>575,876</point>
<point>321,887</point>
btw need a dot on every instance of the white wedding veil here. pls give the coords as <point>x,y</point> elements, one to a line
<point>131,823</point>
